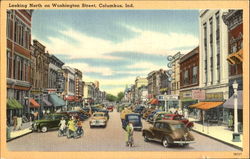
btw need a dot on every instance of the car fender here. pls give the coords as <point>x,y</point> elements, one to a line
<point>148,132</point>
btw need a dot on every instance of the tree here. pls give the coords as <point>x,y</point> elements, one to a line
<point>111,97</point>
<point>120,95</point>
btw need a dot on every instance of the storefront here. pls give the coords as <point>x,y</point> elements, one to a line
<point>57,102</point>
<point>186,99</point>
<point>14,108</point>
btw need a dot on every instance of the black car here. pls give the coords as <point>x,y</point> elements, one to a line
<point>135,118</point>
<point>104,111</point>
<point>139,109</point>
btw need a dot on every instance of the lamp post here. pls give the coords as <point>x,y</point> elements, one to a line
<point>236,135</point>
<point>165,99</point>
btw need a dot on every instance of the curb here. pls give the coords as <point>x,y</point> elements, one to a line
<point>19,136</point>
<point>234,146</point>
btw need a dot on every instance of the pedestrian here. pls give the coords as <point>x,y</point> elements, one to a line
<point>71,127</point>
<point>14,122</point>
<point>130,138</point>
<point>48,111</point>
<point>19,123</point>
<point>36,115</point>
<point>179,111</point>
<point>62,124</point>
<point>186,113</point>
<point>230,121</point>
<point>79,126</point>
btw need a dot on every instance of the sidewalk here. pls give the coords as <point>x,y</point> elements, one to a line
<point>25,129</point>
<point>220,133</point>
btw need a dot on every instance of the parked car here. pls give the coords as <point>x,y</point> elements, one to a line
<point>146,113</point>
<point>139,109</point>
<point>179,117</point>
<point>135,118</point>
<point>94,109</point>
<point>49,122</point>
<point>98,119</point>
<point>168,132</point>
<point>150,116</point>
<point>106,112</point>
<point>158,116</point>
<point>78,114</point>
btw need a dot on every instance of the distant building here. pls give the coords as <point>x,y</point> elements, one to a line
<point>78,85</point>
<point>139,82</point>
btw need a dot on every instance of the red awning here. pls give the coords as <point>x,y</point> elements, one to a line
<point>154,101</point>
<point>33,103</point>
<point>70,98</point>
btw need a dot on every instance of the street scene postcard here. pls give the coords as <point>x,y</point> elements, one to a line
<point>124,79</point>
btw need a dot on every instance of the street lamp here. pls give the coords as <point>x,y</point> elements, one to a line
<point>236,135</point>
<point>165,98</point>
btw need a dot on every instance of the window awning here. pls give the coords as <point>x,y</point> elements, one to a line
<point>56,101</point>
<point>209,105</point>
<point>154,101</point>
<point>46,102</point>
<point>196,105</point>
<point>13,104</point>
<point>230,102</point>
<point>33,103</point>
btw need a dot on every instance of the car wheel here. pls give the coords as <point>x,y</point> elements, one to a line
<point>165,142</point>
<point>146,138</point>
<point>44,129</point>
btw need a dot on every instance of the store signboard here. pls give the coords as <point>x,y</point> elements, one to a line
<point>172,97</point>
<point>198,94</point>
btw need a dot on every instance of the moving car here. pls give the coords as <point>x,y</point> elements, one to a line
<point>106,112</point>
<point>98,119</point>
<point>49,122</point>
<point>179,117</point>
<point>135,118</point>
<point>168,132</point>
<point>110,108</point>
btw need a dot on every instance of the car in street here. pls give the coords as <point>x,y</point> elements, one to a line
<point>139,109</point>
<point>178,117</point>
<point>110,108</point>
<point>147,112</point>
<point>106,112</point>
<point>135,119</point>
<point>98,119</point>
<point>94,109</point>
<point>158,116</point>
<point>168,132</point>
<point>49,122</point>
<point>150,116</point>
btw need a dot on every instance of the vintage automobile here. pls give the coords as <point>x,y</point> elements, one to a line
<point>139,109</point>
<point>106,112</point>
<point>147,112</point>
<point>135,119</point>
<point>168,132</point>
<point>158,116</point>
<point>98,119</point>
<point>151,115</point>
<point>110,108</point>
<point>49,122</point>
<point>179,117</point>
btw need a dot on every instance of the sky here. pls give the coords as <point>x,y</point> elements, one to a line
<point>115,46</point>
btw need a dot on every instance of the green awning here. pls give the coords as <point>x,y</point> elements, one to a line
<point>56,101</point>
<point>188,100</point>
<point>13,104</point>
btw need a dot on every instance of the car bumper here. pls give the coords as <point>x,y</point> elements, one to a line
<point>183,142</point>
<point>97,124</point>
<point>137,127</point>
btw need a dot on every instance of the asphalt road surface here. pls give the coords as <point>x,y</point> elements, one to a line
<point>111,138</point>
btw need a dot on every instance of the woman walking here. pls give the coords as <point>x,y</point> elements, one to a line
<point>130,138</point>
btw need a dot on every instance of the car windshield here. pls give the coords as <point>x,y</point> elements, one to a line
<point>133,117</point>
<point>177,126</point>
<point>96,115</point>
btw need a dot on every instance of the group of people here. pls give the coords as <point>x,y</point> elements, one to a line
<point>74,126</point>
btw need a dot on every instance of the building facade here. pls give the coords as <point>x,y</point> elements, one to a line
<point>213,64</point>
<point>139,82</point>
<point>69,91</point>
<point>18,60</point>
<point>189,77</point>
<point>78,85</point>
<point>234,21</point>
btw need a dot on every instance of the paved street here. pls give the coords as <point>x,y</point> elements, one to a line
<point>111,138</point>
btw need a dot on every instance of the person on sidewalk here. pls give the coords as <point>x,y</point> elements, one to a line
<point>19,123</point>
<point>230,121</point>
<point>14,122</point>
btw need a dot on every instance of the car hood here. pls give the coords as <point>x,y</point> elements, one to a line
<point>41,121</point>
<point>98,118</point>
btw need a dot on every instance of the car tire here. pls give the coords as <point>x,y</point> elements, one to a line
<point>165,142</point>
<point>44,129</point>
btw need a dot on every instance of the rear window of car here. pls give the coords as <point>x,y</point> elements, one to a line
<point>98,115</point>
<point>177,126</point>
<point>133,117</point>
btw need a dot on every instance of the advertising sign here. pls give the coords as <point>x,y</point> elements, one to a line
<point>198,94</point>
